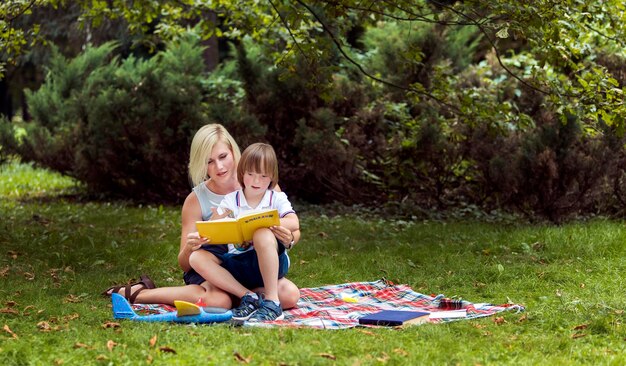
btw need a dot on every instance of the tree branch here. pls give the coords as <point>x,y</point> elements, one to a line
<point>284,21</point>
<point>10,19</point>
<point>493,45</point>
<point>363,71</point>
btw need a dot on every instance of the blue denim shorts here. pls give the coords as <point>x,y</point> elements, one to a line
<point>244,267</point>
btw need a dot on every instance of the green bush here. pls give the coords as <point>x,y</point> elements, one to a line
<point>121,126</point>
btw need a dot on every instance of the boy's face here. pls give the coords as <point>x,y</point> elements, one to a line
<point>256,184</point>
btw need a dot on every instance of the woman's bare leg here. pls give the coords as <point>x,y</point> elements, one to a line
<point>210,295</point>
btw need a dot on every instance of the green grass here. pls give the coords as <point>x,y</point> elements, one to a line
<point>57,254</point>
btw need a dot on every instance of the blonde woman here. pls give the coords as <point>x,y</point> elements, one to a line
<point>213,161</point>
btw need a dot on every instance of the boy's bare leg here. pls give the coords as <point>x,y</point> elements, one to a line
<point>265,245</point>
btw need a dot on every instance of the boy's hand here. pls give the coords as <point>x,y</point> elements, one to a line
<point>217,216</point>
<point>282,234</point>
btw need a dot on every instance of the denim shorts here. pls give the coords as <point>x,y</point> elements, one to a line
<point>244,267</point>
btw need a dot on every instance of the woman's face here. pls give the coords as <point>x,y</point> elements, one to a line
<point>221,165</point>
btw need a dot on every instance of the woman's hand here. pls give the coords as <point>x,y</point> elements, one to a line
<point>195,241</point>
<point>282,234</point>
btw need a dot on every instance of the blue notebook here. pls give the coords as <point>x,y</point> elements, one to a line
<point>394,317</point>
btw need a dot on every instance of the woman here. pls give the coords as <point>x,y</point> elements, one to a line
<point>213,170</point>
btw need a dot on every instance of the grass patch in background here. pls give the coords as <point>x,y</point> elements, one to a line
<point>58,255</point>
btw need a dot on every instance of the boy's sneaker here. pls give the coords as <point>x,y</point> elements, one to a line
<point>248,306</point>
<point>267,312</point>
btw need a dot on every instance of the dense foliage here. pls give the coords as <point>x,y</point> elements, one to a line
<point>427,104</point>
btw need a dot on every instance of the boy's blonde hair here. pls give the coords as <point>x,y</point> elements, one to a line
<point>201,147</point>
<point>259,158</point>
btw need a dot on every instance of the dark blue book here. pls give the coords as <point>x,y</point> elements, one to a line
<point>394,317</point>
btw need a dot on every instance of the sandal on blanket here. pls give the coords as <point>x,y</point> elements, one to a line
<point>144,280</point>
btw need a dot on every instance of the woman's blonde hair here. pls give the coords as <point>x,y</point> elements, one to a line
<point>201,147</point>
<point>258,158</point>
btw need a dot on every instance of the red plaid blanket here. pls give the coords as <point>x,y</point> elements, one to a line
<point>341,306</point>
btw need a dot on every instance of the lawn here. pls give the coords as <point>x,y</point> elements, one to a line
<point>58,253</point>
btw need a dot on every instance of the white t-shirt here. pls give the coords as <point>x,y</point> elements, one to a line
<point>236,202</point>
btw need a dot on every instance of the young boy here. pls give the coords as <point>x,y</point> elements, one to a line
<point>235,268</point>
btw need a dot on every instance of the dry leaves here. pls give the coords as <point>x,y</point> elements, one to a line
<point>328,356</point>
<point>167,349</point>
<point>69,317</point>
<point>578,335</point>
<point>499,320</point>
<point>13,254</point>
<point>368,332</point>
<point>9,311</point>
<point>153,341</point>
<point>72,298</point>
<point>401,352</point>
<point>111,325</point>
<point>4,271</point>
<point>384,358</point>
<point>8,330</point>
<point>581,326</point>
<point>44,326</point>
<point>240,358</point>
<point>110,345</point>
<point>29,276</point>
<point>82,345</point>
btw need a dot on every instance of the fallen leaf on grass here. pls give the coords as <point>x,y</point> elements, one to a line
<point>111,345</point>
<point>401,352</point>
<point>8,330</point>
<point>101,358</point>
<point>522,318</point>
<point>167,350</point>
<point>9,311</point>
<point>368,332</point>
<point>153,341</point>
<point>499,320</point>
<point>322,234</point>
<point>240,358</point>
<point>13,254</point>
<point>327,355</point>
<point>25,310</point>
<point>111,325</point>
<point>44,326</point>
<point>11,303</point>
<point>59,361</point>
<point>384,358</point>
<point>578,335</point>
<point>72,298</point>
<point>581,326</point>
<point>74,316</point>
<point>302,262</point>
<point>4,271</point>
<point>29,276</point>
<point>82,345</point>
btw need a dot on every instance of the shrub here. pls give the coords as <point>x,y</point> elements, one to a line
<point>121,126</point>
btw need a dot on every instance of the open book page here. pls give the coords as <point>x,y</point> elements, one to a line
<point>222,231</point>
<point>234,231</point>
<point>254,220</point>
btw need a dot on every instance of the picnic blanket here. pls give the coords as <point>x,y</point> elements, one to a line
<point>341,306</point>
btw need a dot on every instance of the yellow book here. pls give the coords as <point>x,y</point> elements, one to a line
<point>239,230</point>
